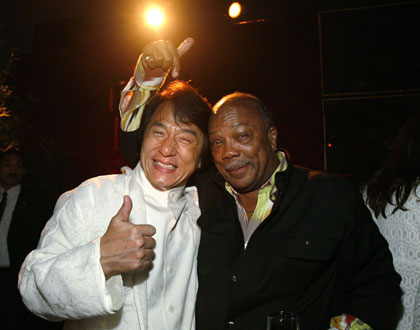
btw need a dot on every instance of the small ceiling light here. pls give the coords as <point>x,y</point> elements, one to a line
<point>155,16</point>
<point>235,9</point>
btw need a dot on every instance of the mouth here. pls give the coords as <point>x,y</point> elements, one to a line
<point>164,166</point>
<point>237,171</point>
<point>236,168</point>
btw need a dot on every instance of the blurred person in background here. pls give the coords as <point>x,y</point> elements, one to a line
<point>24,212</point>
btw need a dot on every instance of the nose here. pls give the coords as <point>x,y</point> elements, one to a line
<point>229,151</point>
<point>167,147</point>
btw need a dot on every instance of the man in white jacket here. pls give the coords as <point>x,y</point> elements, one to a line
<point>97,265</point>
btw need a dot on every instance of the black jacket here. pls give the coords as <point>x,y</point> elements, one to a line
<point>318,254</point>
<point>31,212</point>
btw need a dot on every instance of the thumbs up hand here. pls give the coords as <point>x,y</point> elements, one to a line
<point>159,56</point>
<point>126,247</point>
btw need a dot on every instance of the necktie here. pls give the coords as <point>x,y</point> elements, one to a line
<point>3,204</point>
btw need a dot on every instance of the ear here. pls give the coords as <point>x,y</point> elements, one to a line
<point>272,137</point>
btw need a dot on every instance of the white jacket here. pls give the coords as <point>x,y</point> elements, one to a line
<point>63,277</point>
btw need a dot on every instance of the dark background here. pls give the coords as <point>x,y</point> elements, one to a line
<point>340,76</point>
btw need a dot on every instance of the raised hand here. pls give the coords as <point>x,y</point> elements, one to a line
<point>126,247</point>
<point>159,56</point>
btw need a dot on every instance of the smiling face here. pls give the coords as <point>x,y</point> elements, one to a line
<point>171,150</point>
<point>243,151</point>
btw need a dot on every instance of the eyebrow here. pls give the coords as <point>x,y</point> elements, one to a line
<point>231,126</point>
<point>183,130</point>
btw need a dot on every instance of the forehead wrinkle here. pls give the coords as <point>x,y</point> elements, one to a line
<point>233,119</point>
<point>232,126</point>
<point>157,123</point>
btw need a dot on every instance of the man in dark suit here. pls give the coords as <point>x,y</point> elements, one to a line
<point>23,213</point>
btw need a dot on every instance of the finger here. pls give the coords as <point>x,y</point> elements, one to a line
<point>125,210</point>
<point>161,55</point>
<point>148,255</point>
<point>152,54</point>
<point>176,63</point>
<point>181,50</point>
<point>146,230</point>
<point>142,260</point>
<point>149,242</point>
<point>147,56</point>
<point>170,55</point>
<point>185,46</point>
<point>146,262</point>
<point>157,57</point>
<point>147,61</point>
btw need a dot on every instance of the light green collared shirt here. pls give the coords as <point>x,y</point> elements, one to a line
<point>266,198</point>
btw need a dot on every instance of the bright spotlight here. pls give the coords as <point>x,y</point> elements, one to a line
<point>154,16</point>
<point>235,9</point>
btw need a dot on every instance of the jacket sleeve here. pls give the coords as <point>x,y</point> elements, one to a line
<point>63,277</point>
<point>134,97</point>
<point>373,285</point>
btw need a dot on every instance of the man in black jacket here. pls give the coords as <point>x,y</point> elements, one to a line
<point>276,236</point>
<point>280,237</point>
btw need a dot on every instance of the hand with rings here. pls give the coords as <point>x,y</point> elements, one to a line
<point>162,55</point>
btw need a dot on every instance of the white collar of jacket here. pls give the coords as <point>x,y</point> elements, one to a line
<point>172,198</point>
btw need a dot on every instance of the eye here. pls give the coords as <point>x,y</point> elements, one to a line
<point>243,136</point>
<point>215,142</point>
<point>157,132</point>
<point>186,140</point>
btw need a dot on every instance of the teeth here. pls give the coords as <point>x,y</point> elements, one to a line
<point>168,166</point>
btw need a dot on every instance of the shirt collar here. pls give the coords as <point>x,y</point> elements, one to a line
<point>12,191</point>
<point>162,197</point>
<point>271,181</point>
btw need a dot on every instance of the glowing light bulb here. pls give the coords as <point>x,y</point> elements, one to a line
<point>235,9</point>
<point>154,17</point>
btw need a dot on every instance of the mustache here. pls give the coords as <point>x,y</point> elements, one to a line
<point>234,165</point>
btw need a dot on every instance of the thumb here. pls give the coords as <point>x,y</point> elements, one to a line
<point>125,210</point>
<point>185,46</point>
